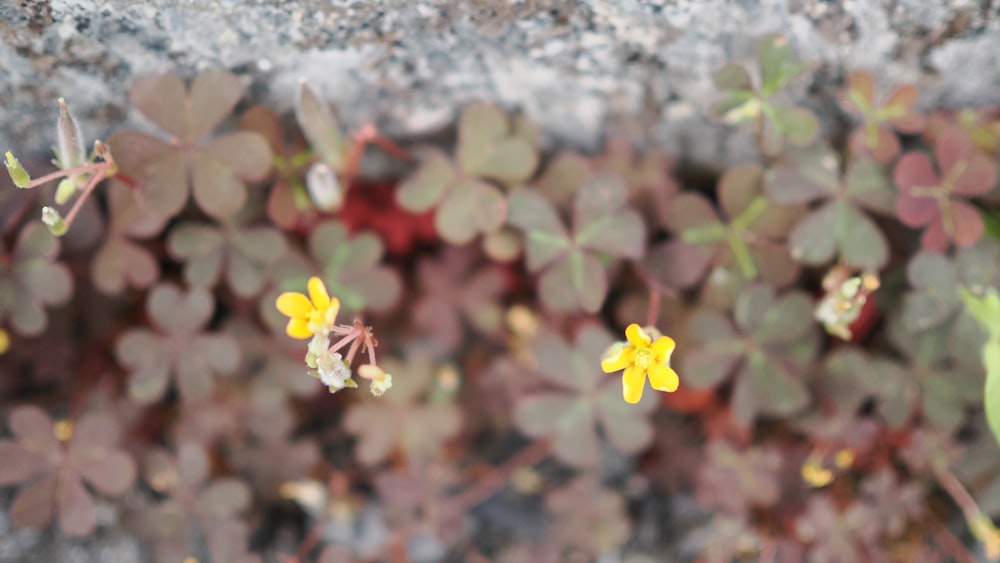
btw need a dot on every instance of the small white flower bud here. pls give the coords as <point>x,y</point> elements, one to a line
<point>324,187</point>
<point>54,221</point>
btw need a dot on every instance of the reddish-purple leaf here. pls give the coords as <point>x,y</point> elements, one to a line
<point>77,512</point>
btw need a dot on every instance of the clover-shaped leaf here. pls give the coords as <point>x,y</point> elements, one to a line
<point>177,347</point>
<point>572,274</point>
<point>895,503</point>
<point>647,176</point>
<point>468,205</point>
<point>215,171</point>
<point>492,146</point>
<point>408,418</point>
<point>30,278</point>
<point>936,199</point>
<point>455,289</point>
<point>562,177</point>
<point>851,377</point>
<point>350,266</point>
<point>244,253</point>
<point>587,520</point>
<point>930,383</point>
<point>880,117</point>
<point>835,534</point>
<point>838,227</point>
<point>119,261</point>
<point>743,100</point>
<point>750,241</point>
<point>582,399</point>
<point>936,280</point>
<point>196,507</point>
<point>55,469</point>
<point>736,481</point>
<point>979,123</point>
<point>767,345</point>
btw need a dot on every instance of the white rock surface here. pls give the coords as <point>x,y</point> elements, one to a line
<point>578,67</point>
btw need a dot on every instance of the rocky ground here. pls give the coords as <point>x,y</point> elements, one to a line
<point>579,68</point>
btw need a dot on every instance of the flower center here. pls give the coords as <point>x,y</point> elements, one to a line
<point>644,357</point>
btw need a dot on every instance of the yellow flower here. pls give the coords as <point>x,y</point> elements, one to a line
<point>309,315</point>
<point>639,358</point>
<point>4,341</point>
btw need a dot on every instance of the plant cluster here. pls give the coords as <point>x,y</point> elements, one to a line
<point>819,330</point>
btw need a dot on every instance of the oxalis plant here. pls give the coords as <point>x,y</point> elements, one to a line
<point>806,347</point>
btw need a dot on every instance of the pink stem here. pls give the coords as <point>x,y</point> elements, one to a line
<point>78,204</point>
<point>63,173</point>
<point>353,351</point>
<point>371,351</point>
<point>344,342</point>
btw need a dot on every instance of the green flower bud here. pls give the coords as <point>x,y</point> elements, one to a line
<point>17,172</point>
<point>71,151</point>
<point>54,221</point>
<point>66,189</point>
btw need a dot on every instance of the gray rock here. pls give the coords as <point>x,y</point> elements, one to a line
<point>579,68</point>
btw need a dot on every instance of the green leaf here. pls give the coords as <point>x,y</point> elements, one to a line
<point>935,295</point>
<point>563,177</point>
<point>862,243</point>
<point>321,128</point>
<point>798,125</point>
<point>546,235</point>
<point>774,54</point>
<point>736,106</point>
<point>991,359</point>
<point>777,391</point>
<point>732,77</point>
<point>867,182</point>
<point>576,281</point>
<point>787,320</point>
<point>802,176</point>
<point>427,186</point>
<point>472,207</point>
<point>838,225</point>
<point>984,308</point>
<point>599,196</point>
<point>488,147</point>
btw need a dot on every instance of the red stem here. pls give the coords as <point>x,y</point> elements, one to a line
<point>653,313</point>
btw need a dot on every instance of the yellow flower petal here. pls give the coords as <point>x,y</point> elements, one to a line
<point>633,382</point>
<point>332,311</point>
<point>294,305</point>
<point>636,336</point>
<point>318,294</point>
<point>617,358</point>
<point>298,328</point>
<point>663,378</point>
<point>662,348</point>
